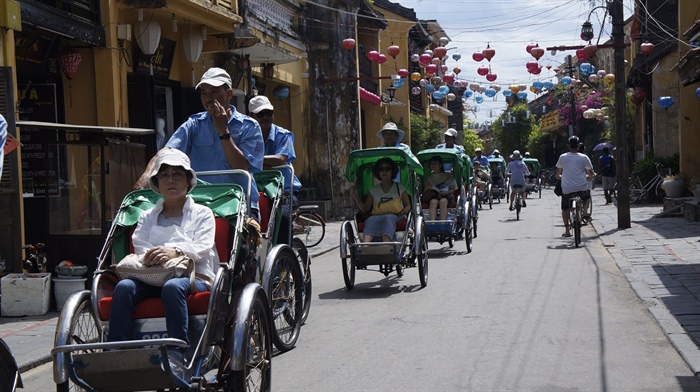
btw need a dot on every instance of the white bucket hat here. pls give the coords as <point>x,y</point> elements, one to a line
<point>390,126</point>
<point>172,157</point>
<point>515,155</point>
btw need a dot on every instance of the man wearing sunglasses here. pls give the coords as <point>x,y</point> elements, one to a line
<point>219,138</point>
<point>279,150</point>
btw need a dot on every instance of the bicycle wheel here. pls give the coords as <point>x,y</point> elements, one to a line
<point>310,227</point>
<point>305,265</point>
<point>83,329</point>
<point>285,291</point>
<point>577,224</point>
<point>518,206</point>
<point>659,190</point>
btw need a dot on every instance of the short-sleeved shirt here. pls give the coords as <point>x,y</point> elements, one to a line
<point>455,146</point>
<point>198,138</point>
<point>281,142</point>
<point>574,166</point>
<point>378,193</point>
<point>483,161</point>
<point>518,172</point>
<point>605,161</point>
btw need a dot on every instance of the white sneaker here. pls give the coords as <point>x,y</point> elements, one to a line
<point>176,360</point>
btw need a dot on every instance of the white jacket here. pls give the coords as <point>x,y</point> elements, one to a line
<point>195,237</point>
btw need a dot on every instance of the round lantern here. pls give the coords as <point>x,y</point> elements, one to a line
<point>436,61</point>
<point>590,50</point>
<point>415,76</point>
<point>491,77</point>
<point>444,89</point>
<point>148,36</point>
<point>456,56</point>
<point>468,93</point>
<point>489,52</point>
<point>601,73</point>
<point>474,87</point>
<point>415,57</point>
<point>538,85</point>
<point>496,87</point>
<point>281,92</point>
<point>423,82</point>
<point>431,68</point>
<point>483,70</point>
<point>532,64</point>
<point>440,52</point>
<point>451,97</point>
<point>437,95</point>
<point>372,55</point>
<point>548,85</point>
<point>581,55</point>
<point>507,93</point>
<point>381,59</point>
<point>429,88</point>
<point>425,58</point>
<point>68,61</point>
<point>522,94</point>
<point>593,78</point>
<point>429,53</point>
<point>443,41</point>
<point>478,56</point>
<point>697,92</point>
<point>479,99</point>
<point>610,78</point>
<point>349,43</point>
<point>402,72</point>
<point>415,90</point>
<point>665,102</point>
<point>537,52</point>
<point>393,51</point>
<point>566,80</point>
<point>646,48</point>
<point>449,77</point>
<point>514,88</point>
<point>490,92</point>
<point>456,70</point>
<point>529,47</point>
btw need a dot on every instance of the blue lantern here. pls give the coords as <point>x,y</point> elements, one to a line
<point>585,68</point>
<point>281,92</point>
<point>665,102</point>
<point>697,92</point>
<point>456,56</point>
<point>548,85</point>
<point>437,95</point>
<point>479,99</point>
<point>444,89</point>
<point>468,93</point>
<point>538,85</point>
<point>429,88</point>
<point>490,92</point>
<point>522,94</point>
<point>566,80</point>
<point>507,93</point>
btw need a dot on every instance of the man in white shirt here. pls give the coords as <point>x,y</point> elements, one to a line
<point>574,169</point>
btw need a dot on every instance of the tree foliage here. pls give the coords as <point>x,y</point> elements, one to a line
<point>513,128</point>
<point>424,134</point>
<point>538,142</point>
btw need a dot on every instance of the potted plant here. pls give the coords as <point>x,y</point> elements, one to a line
<point>673,185</point>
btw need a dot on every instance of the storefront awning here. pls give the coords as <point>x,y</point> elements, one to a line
<point>261,53</point>
<point>86,128</point>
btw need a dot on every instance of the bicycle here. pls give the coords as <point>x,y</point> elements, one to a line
<point>308,225</point>
<point>518,200</point>
<point>576,206</point>
<point>637,191</point>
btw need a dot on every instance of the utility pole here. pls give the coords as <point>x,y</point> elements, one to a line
<point>618,34</point>
<point>572,114</point>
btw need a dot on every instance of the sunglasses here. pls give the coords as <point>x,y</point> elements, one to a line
<point>385,169</point>
<point>264,113</point>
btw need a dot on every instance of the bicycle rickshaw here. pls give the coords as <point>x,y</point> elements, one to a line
<point>459,210</point>
<point>533,185</point>
<point>229,326</point>
<point>498,192</point>
<point>411,247</point>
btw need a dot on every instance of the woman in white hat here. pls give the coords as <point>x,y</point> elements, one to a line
<point>175,226</point>
<point>517,171</point>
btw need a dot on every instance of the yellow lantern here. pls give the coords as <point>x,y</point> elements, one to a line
<point>415,76</point>
<point>514,88</point>
<point>610,78</point>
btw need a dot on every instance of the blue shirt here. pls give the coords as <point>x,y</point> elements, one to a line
<point>483,161</point>
<point>198,138</point>
<point>281,142</point>
<point>605,161</point>
<point>448,166</point>
<point>3,139</point>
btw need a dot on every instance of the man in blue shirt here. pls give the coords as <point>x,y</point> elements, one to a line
<point>279,150</point>
<point>3,139</point>
<point>480,158</point>
<point>450,138</point>
<point>220,138</point>
<point>392,136</point>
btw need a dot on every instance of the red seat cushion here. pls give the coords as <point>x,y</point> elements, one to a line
<point>153,307</point>
<point>265,207</point>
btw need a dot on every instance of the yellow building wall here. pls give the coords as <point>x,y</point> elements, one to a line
<point>689,105</point>
<point>665,126</point>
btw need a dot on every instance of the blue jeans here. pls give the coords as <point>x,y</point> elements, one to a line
<point>128,293</point>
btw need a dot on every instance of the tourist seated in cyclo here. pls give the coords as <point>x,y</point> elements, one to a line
<point>438,189</point>
<point>382,222</point>
<point>496,175</point>
<point>481,178</point>
<point>530,178</point>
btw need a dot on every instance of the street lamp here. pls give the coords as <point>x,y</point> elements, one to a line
<point>391,91</point>
<point>587,31</point>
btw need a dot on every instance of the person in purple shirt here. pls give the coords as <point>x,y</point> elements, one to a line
<point>219,138</point>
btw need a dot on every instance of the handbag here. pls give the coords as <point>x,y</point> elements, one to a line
<point>557,188</point>
<point>388,206</point>
<point>132,267</point>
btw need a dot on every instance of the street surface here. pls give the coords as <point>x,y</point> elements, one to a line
<point>525,311</point>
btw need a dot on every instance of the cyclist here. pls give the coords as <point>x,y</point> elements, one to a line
<point>517,170</point>
<point>574,169</point>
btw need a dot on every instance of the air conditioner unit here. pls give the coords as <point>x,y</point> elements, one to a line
<point>124,32</point>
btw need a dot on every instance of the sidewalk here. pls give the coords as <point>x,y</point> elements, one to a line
<point>660,258</point>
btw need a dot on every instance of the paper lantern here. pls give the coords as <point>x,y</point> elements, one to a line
<point>478,56</point>
<point>68,61</point>
<point>489,52</point>
<point>440,52</point>
<point>415,57</point>
<point>456,56</point>
<point>372,55</point>
<point>483,70</point>
<point>349,43</point>
<point>281,92</point>
<point>415,76</point>
<point>666,102</point>
<point>393,51</point>
<point>192,47</point>
<point>381,59</point>
<point>537,52</point>
<point>148,36</point>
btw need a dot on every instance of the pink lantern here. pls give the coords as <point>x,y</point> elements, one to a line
<point>590,50</point>
<point>537,52</point>
<point>449,77</point>
<point>431,68</point>
<point>436,61</point>
<point>478,56</point>
<point>483,70</point>
<point>474,87</point>
<point>393,50</point>
<point>581,55</point>
<point>349,43</point>
<point>530,65</point>
<point>646,48</point>
<point>68,61</point>
<point>403,72</point>
<point>443,68</point>
<point>440,52</point>
<point>372,55</point>
<point>536,70</point>
<point>491,77</point>
<point>381,59</point>
<point>425,58</point>
<point>548,67</point>
<point>529,47</point>
<point>488,52</point>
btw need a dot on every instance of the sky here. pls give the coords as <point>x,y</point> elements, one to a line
<point>508,26</point>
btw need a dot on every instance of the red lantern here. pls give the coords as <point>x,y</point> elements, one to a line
<point>431,68</point>
<point>69,60</point>
<point>537,52</point>
<point>646,48</point>
<point>393,50</point>
<point>381,59</point>
<point>439,52</point>
<point>530,65</point>
<point>372,55</point>
<point>403,72</point>
<point>449,77</point>
<point>478,56</point>
<point>581,55</point>
<point>488,52</point>
<point>425,58</point>
<point>529,47</point>
<point>590,50</point>
<point>349,43</point>
<point>549,67</point>
<point>536,70</point>
<point>483,70</point>
<point>491,77</point>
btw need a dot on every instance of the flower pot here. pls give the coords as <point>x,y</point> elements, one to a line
<point>673,188</point>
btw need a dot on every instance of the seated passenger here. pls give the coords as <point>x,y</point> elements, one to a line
<point>531,177</point>
<point>438,189</point>
<point>481,178</point>
<point>496,174</point>
<point>175,226</point>
<point>383,225</point>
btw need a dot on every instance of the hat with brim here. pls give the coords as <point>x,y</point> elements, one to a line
<point>515,155</point>
<point>450,132</point>
<point>391,127</point>
<point>215,77</point>
<point>171,157</point>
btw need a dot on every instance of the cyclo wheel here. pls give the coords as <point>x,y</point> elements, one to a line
<point>468,230</point>
<point>305,265</point>
<point>250,324</point>
<point>313,226</point>
<point>349,260</point>
<point>423,256</point>
<point>474,215</point>
<point>83,329</point>
<point>285,287</point>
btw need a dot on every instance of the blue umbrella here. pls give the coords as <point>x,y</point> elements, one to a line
<point>601,146</point>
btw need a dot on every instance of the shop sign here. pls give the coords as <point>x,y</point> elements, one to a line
<point>162,59</point>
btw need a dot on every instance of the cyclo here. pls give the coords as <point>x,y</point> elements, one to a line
<point>499,189</point>
<point>458,222</point>
<point>411,246</point>
<point>533,184</point>
<point>230,327</point>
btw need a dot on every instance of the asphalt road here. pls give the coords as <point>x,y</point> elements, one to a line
<point>525,311</point>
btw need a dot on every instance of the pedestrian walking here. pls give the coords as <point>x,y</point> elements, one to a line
<point>608,174</point>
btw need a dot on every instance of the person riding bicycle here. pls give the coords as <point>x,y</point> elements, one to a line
<point>517,170</point>
<point>574,169</point>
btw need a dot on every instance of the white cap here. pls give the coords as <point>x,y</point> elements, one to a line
<point>259,103</point>
<point>215,77</point>
<point>172,157</point>
<point>451,132</point>
<point>478,149</point>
